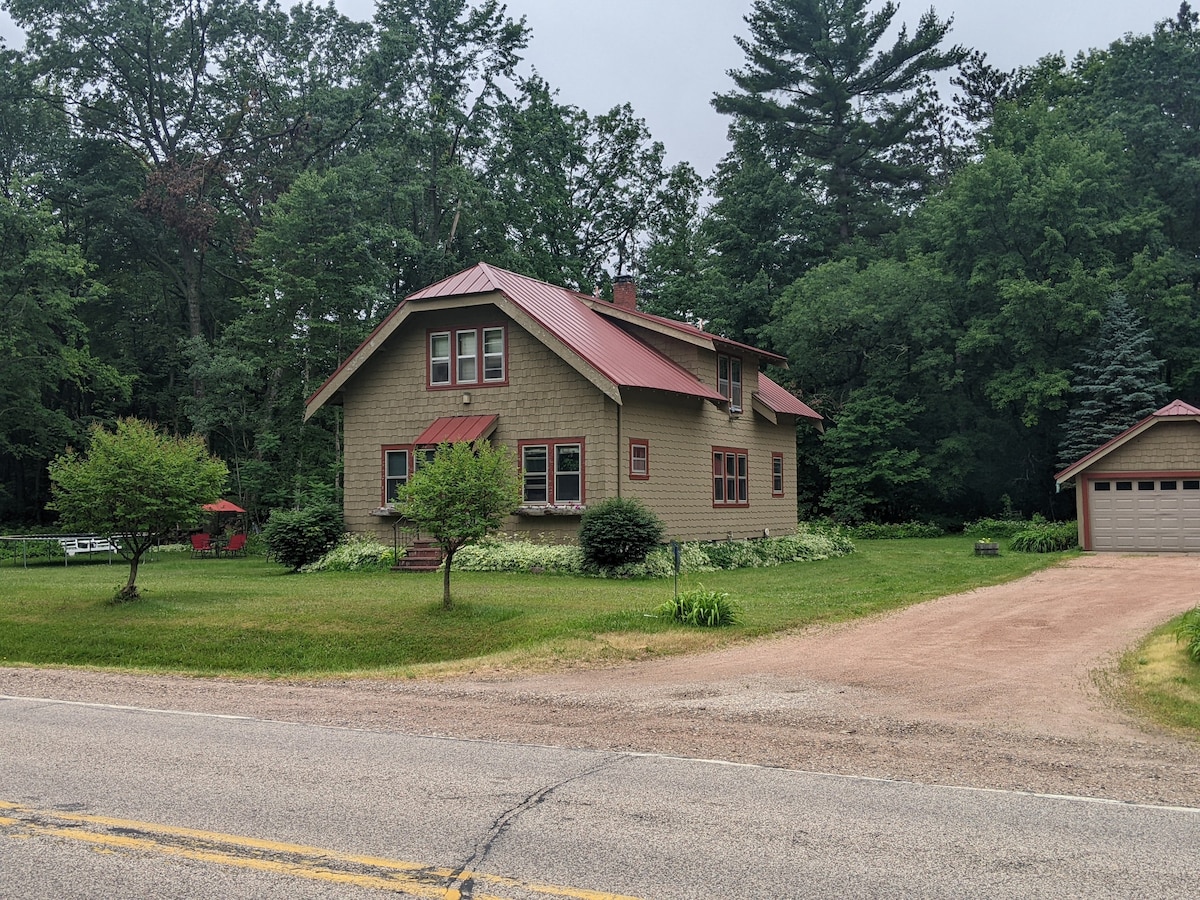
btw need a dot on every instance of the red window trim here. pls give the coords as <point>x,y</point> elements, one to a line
<point>782,483</point>
<point>738,453</point>
<point>550,444</point>
<point>454,384</point>
<point>639,476</point>
<point>383,473</point>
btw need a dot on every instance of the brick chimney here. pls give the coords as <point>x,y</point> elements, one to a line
<point>625,293</point>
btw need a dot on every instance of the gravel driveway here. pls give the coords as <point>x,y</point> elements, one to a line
<point>994,688</point>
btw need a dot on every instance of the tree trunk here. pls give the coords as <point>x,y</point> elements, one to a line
<point>130,591</point>
<point>446,601</point>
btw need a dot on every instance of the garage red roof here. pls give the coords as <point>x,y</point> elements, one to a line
<point>1176,408</point>
<point>453,429</point>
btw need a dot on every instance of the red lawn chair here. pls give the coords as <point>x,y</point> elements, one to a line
<point>201,546</point>
<point>236,545</point>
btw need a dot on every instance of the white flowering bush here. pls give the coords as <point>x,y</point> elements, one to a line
<point>498,555</point>
<point>355,553</point>
<point>513,554</point>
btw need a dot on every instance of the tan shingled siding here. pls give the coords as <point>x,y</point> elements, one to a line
<point>387,403</point>
<point>1165,447</point>
<point>682,433</point>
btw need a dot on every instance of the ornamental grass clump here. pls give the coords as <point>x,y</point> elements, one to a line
<point>1045,537</point>
<point>702,608</point>
<point>1187,632</point>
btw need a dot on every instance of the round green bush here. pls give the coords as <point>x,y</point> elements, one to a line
<point>617,532</point>
<point>297,537</point>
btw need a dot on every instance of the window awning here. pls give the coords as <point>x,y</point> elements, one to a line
<point>452,429</point>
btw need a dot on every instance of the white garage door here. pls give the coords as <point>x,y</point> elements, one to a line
<point>1154,514</point>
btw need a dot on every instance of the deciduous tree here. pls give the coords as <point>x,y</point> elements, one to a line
<point>461,496</point>
<point>134,485</point>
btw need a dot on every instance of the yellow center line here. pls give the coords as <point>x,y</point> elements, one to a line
<point>298,860</point>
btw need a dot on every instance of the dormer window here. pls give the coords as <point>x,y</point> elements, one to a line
<point>729,380</point>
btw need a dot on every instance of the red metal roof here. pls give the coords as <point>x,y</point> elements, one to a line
<point>584,326</point>
<point>782,401</point>
<point>616,354</point>
<point>1174,408</point>
<point>452,429</point>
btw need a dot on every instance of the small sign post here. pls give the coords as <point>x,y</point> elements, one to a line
<point>675,554</point>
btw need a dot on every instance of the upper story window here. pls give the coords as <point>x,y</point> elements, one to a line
<point>460,357</point>
<point>729,379</point>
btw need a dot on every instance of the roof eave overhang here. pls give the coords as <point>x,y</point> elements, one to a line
<point>1086,462</point>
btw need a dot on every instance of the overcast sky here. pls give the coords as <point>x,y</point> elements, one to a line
<point>668,57</point>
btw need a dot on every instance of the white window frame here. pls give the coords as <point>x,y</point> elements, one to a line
<point>390,480</point>
<point>729,380</point>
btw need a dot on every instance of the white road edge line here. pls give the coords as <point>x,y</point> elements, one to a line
<point>1102,801</point>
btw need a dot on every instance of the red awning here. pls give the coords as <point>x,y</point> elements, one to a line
<point>223,506</point>
<point>452,429</point>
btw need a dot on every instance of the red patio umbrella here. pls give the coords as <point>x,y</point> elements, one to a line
<point>223,506</point>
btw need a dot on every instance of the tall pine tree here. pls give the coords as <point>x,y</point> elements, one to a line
<point>1116,384</point>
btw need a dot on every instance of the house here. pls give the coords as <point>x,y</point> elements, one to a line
<point>595,399</point>
<point>1141,490</point>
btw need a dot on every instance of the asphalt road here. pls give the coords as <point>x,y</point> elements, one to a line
<point>100,801</point>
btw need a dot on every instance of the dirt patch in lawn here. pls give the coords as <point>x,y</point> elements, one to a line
<point>1004,687</point>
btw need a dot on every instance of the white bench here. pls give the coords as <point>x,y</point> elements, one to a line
<point>75,545</point>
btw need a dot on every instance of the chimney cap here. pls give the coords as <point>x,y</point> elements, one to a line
<point>623,279</point>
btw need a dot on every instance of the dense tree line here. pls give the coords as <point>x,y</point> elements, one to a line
<point>204,206</point>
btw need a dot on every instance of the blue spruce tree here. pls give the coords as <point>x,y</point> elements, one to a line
<point>1116,384</point>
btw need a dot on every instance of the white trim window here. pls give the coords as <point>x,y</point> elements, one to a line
<point>395,474</point>
<point>439,357</point>
<point>458,357</point>
<point>493,354</point>
<point>466,356</point>
<point>729,379</point>
<point>552,472</point>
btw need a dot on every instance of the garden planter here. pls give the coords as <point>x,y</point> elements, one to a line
<point>987,548</point>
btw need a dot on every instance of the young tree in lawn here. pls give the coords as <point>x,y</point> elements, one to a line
<point>134,485</point>
<point>461,496</point>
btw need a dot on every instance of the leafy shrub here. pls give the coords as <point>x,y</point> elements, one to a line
<point>355,553</point>
<point>1045,537</point>
<point>1188,631</point>
<point>298,537</point>
<point>617,532</point>
<point>895,530</point>
<point>708,609</point>
<point>996,527</point>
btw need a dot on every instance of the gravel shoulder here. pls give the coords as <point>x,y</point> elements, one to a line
<point>1001,687</point>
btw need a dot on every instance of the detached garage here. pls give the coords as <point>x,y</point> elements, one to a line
<point>1141,490</point>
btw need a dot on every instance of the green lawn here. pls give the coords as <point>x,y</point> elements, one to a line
<point>248,616</point>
